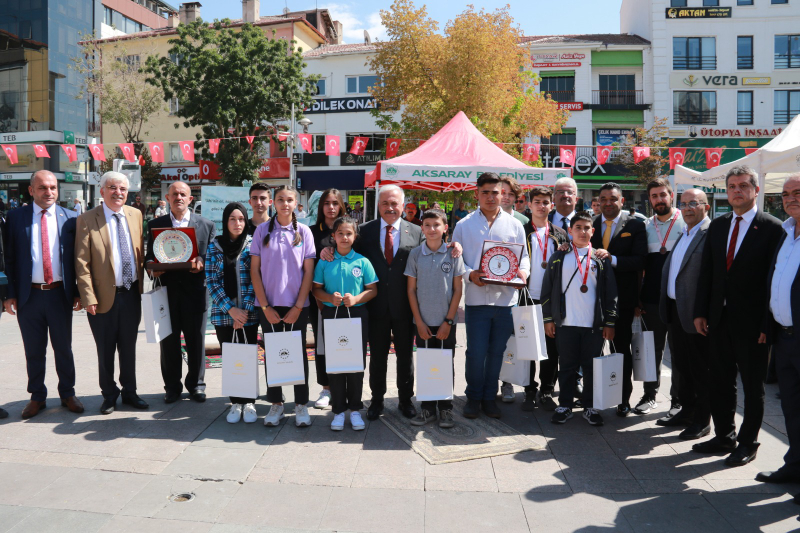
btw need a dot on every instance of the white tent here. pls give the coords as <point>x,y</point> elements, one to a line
<point>773,162</point>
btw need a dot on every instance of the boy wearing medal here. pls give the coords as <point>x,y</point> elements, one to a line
<point>579,304</point>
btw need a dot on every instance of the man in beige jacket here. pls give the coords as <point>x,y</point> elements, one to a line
<point>109,264</point>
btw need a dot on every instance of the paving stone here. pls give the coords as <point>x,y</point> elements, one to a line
<point>556,484</point>
<point>672,512</point>
<point>322,479</point>
<point>606,486</point>
<point>327,459</point>
<point>391,462</point>
<point>214,463</point>
<point>61,521</point>
<point>460,484</point>
<point>221,434</point>
<point>385,510</point>
<point>577,512</point>
<point>659,467</point>
<point>593,467</point>
<point>91,490</point>
<point>477,468</point>
<point>751,486</point>
<point>675,486</point>
<point>137,524</point>
<point>526,465</point>
<point>300,506</point>
<point>266,475</point>
<point>21,483</point>
<point>13,515</point>
<point>751,512</point>
<point>137,466</point>
<point>471,511</point>
<point>210,498</point>
<point>378,481</point>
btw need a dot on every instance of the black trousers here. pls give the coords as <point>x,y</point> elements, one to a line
<point>47,312</point>
<point>577,347</point>
<point>652,322</point>
<point>225,334</point>
<point>448,344</point>
<point>275,394</point>
<point>380,339</point>
<point>319,358</point>
<point>622,344</point>
<point>115,332</point>
<point>346,389</point>
<point>786,351</point>
<point>690,358</point>
<point>736,350</point>
<point>185,318</point>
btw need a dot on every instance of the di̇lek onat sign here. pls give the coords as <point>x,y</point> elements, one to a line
<point>341,105</point>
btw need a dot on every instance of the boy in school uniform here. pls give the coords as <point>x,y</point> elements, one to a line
<point>579,302</point>
<point>434,292</point>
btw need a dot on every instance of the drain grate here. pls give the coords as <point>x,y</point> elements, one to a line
<point>179,498</point>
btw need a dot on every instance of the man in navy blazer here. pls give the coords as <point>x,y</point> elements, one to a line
<point>780,329</point>
<point>41,288</point>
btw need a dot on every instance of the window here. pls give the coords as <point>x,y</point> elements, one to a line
<point>321,87</point>
<point>560,88</point>
<point>617,89</point>
<point>780,1</point>
<point>744,108</point>
<point>710,3</point>
<point>787,106</point>
<point>744,2</point>
<point>694,107</point>
<point>360,84</point>
<point>174,106</point>
<point>694,53</point>
<point>677,3</point>
<point>131,61</point>
<point>744,52</point>
<point>787,51</point>
<point>107,11</point>
<point>175,154</point>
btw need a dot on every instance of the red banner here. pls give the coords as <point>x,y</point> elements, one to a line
<point>713,157</point>
<point>530,152</point>
<point>274,168</point>
<point>209,170</point>
<point>676,157</point>
<point>748,151</point>
<point>11,153</point>
<point>640,153</point>
<point>250,139</point>
<point>40,150</point>
<point>127,151</point>
<point>69,149</point>
<point>305,142</point>
<point>392,146</point>
<point>359,144</point>
<point>332,145</point>
<point>603,153</point>
<point>97,152</point>
<point>213,146</point>
<point>187,150</point>
<point>499,145</point>
<point>283,135</point>
<point>156,152</point>
<point>566,153</point>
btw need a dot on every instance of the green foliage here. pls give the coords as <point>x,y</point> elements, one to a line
<point>651,167</point>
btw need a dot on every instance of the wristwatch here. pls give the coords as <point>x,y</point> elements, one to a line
<point>450,322</point>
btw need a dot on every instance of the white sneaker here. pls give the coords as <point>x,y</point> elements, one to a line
<point>324,400</point>
<point>301,417</point>
<point>274,416</point>
<point>507,391</point>
<point>250,414</point>
<point>235,414</point>
<point>356,421</point>
<point>338,422</point>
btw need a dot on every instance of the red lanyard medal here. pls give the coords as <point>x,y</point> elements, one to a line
<point>584,273</point>
<point>542,247</point>
<point>663,249</point>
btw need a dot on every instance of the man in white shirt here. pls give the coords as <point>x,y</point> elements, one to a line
<point>161,210</point>
<point>488,307</point>
<point>565,197</point>
<point>78,206</point>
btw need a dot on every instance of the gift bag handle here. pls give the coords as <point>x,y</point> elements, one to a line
<point>236,336</point>
<point>644,326</point>
<point>613,348</point>
<point>337,311</point>
<point>528,293</point>
<point>273,327</point>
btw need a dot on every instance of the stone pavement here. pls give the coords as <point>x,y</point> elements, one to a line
<point>62,472</point>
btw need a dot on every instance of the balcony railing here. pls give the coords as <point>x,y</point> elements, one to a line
<point>618,97</point>
<point>744,118</point>
<point>562,96</point>
<point>744,62</point>
<point>787,61</point>
<point>784,117</point>
<point>694,117</point>
<point>694,63</point>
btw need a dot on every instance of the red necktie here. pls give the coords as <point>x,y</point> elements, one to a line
<point>732,245</point>
<point>47,262</point>
<point>388,246</point>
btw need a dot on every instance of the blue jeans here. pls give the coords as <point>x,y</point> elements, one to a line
<point>488,330</point>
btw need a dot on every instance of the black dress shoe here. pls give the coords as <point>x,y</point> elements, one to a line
<point>623,409</point>
<point>375,409</point>
<point>715,445</point>
<point>680,419</point>
<point>3,413</point>
<point>472,409</point>
<point>782,475</point>
<point>695,431</point>
<point>408,409</point>
<point>134,401</point>
<point>490,409</point>
<point>198,396</point>
<point>108,406</point>
<point>172,397</point>
<point>743,454</point>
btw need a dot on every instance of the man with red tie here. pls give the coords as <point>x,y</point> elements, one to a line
<point>730,308</point>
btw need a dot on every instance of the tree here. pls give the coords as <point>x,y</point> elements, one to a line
<point>651,167</point>
<point>233,83</point>
<point>478,66</point>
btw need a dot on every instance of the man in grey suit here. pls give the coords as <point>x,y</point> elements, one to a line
<point>679,281</point>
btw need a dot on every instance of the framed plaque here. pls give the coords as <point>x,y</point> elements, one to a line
<point>500,263</point>
<point>173,249</point>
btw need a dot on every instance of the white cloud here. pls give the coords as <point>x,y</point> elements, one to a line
<point>355,20</point>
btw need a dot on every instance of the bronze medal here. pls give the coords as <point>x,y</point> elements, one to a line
<point>544,264</point>
<point>663,250</point>
<point>584,288</point>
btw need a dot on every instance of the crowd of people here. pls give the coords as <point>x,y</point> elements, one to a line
<point>721,292</point>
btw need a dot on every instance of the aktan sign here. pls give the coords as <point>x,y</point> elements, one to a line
<point>698,13</point>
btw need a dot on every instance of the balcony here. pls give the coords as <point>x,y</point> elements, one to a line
<point>618,99</point>
<point>784,117</point>
<point>681,116</point>
<point>744,118</point>
<point>744,62</point>
<point>787,61</point>
<point>694,63</point>
<point>562,96</point>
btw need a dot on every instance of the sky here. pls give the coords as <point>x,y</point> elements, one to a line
<point>535,17</point>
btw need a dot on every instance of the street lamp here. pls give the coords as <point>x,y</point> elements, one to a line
<point>305,122</point>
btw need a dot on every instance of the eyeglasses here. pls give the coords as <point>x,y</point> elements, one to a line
<point>566,193</point>
<point>520,201</point>
<point>690,205</point>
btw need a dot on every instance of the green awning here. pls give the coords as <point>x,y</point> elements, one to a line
<point>618,116</point>
<point>556,73</point>
<point>619,58</point>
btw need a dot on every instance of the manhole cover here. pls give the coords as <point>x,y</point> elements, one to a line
<point>179,498</point>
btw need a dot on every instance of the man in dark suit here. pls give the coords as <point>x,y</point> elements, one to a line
<point>386,242</point>
<point>730,308</point>
<point>187,296</point>
<point>623,239</point>
<point>779,330</point>
<point>40,265</point>
<point>565,199</point>
<point>679,279</point>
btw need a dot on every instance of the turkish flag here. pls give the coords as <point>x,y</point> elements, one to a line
<point>283,135</point>
<point>156,152</point>
<point>40,150</point>
<point>332,145</point>
<point>676,157</point>
<point>359,144</point>
<point>305,142</point>
<point>748,151</point>
<point>69,149</point>
<point>603,153</point>
<point>187,150</point>
<point>250,139</point>
<point>640,153</point>
<point>11,153</point>
<point>97,152</point>
<point>499,145</point>
<point>530,152</point>
<point>392,146</point>
<point>566,153</point>
<point>127,151</point>
<point>141,160</point>
<point>213,146</point>
<point>713,157</point>
<point>422,142</point>
<point>209,170</point>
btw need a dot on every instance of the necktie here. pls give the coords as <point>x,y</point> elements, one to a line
<point>388,246</point>
<point>607,234</point>
<point>124,253</point>
<point>47,261</point>
<point>732,245</point>
<point>564,224</point>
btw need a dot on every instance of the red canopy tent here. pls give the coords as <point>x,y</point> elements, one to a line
<point>453,159</point>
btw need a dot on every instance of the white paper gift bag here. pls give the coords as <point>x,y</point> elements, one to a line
<point>529,332</point>
<point>283,356</point>
<point>607,380</point>
<point>343,345</point>
<point>643,348</point>
<point>240,368</point>
<point>434,374</point>
<point>155,310</point>
<point>514,370</point>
